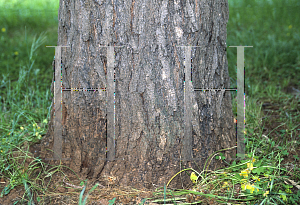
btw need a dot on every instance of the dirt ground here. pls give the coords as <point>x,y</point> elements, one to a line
<point>57,192</point>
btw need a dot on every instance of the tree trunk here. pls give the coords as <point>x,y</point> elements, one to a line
<point>149,92</point>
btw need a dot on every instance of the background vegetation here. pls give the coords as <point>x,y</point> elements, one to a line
<point>272,69</point>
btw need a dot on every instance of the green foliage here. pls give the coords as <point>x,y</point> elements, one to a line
<point>86,198</point>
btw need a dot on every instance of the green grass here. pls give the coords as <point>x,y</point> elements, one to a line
<point>272,70</point>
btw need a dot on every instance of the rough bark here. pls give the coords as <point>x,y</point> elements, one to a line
<point>149,94</point>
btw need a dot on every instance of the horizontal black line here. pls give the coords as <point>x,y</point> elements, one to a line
<point>215,89</point>
<point>129,45</point>
<point>82,89</point>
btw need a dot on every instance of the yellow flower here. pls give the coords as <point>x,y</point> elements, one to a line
<point>267,192</point>
<point>225,174</point>
<point>250,187</point>
<point>3,29</point>
<point>16,53</point>
<point>22,128</point>
<point>36,134</point>
<point>250,166</point>
<point>224,185</point>
<point>243,186</point>
<point>34,125</point>
<point>290,26</point>
<point>38,127</point>
<point>244,173</point>
<point>193,177</point>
